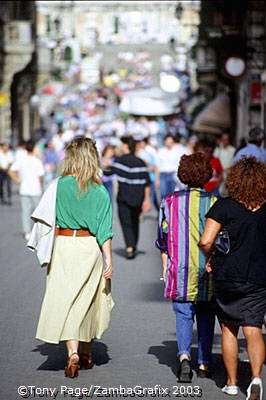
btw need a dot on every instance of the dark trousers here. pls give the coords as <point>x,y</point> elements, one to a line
<point>129,220</point>
<point>154,196</point>
<point>5,186</point>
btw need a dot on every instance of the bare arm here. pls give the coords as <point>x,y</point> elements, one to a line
<point>157,177</point>
<point>14,176</point>
<point>211,230</point>
<point>106,161</point>
<point>146,203</point>
<point>164,263</point>
<point>107,252</point>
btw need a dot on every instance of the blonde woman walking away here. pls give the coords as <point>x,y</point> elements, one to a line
<point>76,213</point>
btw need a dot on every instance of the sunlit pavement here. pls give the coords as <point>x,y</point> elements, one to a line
<point>138,350</point>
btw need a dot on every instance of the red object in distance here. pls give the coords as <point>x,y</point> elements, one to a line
<point>255,92</point>
<point>48,89</point>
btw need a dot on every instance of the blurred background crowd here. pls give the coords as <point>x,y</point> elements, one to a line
<point>177,76</point>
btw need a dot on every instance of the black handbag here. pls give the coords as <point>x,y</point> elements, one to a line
<point>222,242</point>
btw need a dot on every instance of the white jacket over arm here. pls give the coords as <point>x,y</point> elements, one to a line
<point>42,234</point>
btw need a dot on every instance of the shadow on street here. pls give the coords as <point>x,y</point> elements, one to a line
<point>167,355</point>
<point>153,291</point>
<point>122,253</point>
<point>56,355</point>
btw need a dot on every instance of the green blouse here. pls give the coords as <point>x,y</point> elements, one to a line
<point>92,210</point>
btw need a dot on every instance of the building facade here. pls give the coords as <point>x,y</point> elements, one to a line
<point>17,69</point>
<point>231,59</point>
<point>117,22</point>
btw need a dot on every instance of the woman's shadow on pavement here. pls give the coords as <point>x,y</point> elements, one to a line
<point>167,355</point>
<point>56,355</point>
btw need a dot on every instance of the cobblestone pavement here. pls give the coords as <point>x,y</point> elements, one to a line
<point>139,349</point>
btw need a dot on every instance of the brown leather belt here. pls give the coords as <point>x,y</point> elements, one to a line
<point>71,232</point>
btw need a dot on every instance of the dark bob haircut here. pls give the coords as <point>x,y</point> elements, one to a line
<point>246,182</point>
<point>194,170</point>
<point>130,142</point>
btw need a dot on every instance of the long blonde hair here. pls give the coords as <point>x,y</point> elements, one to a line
<point>82,161</point>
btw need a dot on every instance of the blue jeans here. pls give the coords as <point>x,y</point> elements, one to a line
<point>167,183</point>
<point>109,187</point>
<point>185,314</point>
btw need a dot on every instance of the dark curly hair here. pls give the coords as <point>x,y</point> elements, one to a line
<point>246,182</point>
<point>194,170</point>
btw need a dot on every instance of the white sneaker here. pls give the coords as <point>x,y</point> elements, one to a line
<point>231,390</point>
<point>255,389</point>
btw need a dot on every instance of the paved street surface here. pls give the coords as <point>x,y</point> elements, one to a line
<point>139,349</point>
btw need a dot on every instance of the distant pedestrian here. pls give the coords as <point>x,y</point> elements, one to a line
<point>108,158</point>
<point>133,193</point>
<point>6,159</point>
<point>168,160</point>
<point>239,272</point>
<point>152,165</point>
<point>28,172</point>
<point>58,144</point>
<point>50,160</point>
<point>21,151</point>
<point>72,233</point>
<point>172,44</point>
<point>254,146</point>
<point>208,147</point>
<point>225,152</point>
<point>181,223</point>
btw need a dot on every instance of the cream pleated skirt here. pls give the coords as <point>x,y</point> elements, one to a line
<point>77,303</point>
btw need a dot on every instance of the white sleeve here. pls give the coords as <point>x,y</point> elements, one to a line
<point>15,166</point>
<point>40,168</point>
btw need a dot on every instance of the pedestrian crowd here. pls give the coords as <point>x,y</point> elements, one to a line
<point>211,231</point>
<point>158,143</point>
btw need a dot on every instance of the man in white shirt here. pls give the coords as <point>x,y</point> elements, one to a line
<point>57,141</point>
<point>168,161</point>
<point>28,173</point>
<point>6,159</point>
<point>20,152</point>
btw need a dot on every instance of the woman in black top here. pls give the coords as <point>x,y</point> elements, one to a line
<point>240,275</point>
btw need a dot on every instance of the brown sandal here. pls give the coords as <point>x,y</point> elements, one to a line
<point>72,367</point>
<point>86,361</point>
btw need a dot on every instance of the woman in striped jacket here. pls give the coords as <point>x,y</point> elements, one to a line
<point>181,223</point>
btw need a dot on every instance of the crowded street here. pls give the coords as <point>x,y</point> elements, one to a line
<point>133,199</point>
<point>139,349</point>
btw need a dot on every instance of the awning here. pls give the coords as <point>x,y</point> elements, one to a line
<point>215,117</point>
